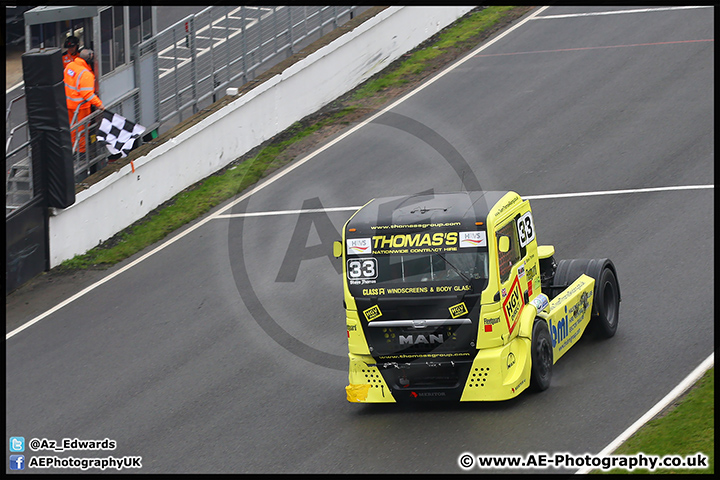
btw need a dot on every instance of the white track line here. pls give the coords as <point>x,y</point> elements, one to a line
<point>619,12</point>
<point>525,197</point>
<point>688,382</point>
<point>618,192</point>
<point>288,212</point>
<point>271,179</point>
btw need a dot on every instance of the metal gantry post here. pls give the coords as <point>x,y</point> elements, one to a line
<point>320,12</point>
<point>136,77</point>
<point>244,44</point>
<point>212,57</point>
<point>259,43</point>
<point>175,76</point>
<point>156,80</point>
<point>276,31</point>
<point>290,31</point>
<point>193,63</point>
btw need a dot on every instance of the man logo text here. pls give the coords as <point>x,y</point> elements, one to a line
<point>418,339</point>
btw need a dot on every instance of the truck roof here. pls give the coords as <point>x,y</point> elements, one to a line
<point>414,211</point>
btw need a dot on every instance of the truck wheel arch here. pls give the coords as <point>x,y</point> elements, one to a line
<point>569,270</point>
<point>541,355</point>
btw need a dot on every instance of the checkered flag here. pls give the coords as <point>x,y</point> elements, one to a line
<point>118,133</point>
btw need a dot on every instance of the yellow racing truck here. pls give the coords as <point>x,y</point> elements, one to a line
<point>449,297</point>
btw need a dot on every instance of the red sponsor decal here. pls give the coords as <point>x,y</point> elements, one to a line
<point>513,304</point>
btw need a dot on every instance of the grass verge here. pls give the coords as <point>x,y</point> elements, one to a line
<point>685,430</point>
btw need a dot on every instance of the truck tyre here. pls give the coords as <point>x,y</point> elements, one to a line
<point>570,270</point>
<point>607,301</point>
<point>541,357</point>
<point>606,295</point>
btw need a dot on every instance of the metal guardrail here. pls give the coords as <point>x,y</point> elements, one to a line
<point>11,133</point>
<point>18,167</point>
<point>18,174</point>
<point>10,138</point>
<point>190,64</point>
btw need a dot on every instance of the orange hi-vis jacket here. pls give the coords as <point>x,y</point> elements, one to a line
<point>80,86</point>
<point>67,58</point>
<point>79,94</point>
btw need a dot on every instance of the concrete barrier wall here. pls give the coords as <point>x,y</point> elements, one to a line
<point>124,197</point>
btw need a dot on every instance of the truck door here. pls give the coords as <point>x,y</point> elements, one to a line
<point>511,266</point>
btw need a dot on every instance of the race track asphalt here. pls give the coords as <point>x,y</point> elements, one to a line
<point>226,350</point>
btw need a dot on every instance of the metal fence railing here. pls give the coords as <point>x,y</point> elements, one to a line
<point>188,66</point>
<point>182,70</point>
<point>20,187</point>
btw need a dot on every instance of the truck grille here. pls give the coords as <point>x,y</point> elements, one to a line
<point>409,340</point>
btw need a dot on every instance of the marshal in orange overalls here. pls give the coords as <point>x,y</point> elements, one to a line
<point>71,43</point>
<point>80,95</point>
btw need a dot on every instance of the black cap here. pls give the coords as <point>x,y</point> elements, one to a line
<point>71,41</point>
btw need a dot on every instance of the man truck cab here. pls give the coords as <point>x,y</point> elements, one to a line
<point>449,297</point>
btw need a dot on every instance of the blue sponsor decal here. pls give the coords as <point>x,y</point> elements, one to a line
<point>559,331</point>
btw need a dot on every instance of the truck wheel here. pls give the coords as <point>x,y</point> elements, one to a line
<point>607,298</point>
<point>541,357</point>
<point>568,271</point>
<point>606,301</point>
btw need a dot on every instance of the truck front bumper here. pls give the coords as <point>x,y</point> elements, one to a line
<point>498,373</point>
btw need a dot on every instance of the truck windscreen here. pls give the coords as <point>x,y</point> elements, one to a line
<point>432,267</point>
<point>453,268</point>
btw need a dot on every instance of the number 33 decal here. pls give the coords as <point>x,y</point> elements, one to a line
<point>362,268</point>
<point>526,229</point>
